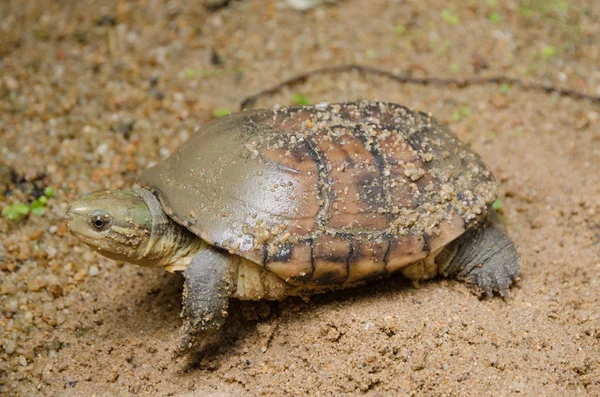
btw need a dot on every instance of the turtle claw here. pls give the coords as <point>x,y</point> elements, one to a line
<point>488,280</point>
<point>487,259</point>
<point>196,341</point>
<point>187,337</point>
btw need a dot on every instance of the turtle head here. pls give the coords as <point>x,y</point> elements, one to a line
<point>131,226</point>
<point>116,223</point>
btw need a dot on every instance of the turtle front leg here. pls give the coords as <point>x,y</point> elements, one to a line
<point>484,257</point>
<point>206,291</point>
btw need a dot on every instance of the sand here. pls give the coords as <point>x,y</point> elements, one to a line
<point>92,94</point>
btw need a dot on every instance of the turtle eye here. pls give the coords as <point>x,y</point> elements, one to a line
<point>100,220</point>
<point>99,223</point>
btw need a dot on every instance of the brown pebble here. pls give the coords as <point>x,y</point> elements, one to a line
<point>35,284</point>
<point>24,252</point>
<point>97,175</point>
<point>116,162</point>
<point>113,375</point>
<point>35,236</point>
<point>80,275</point>
<point>54,286</point>
<point>47,376</point>
<point>62,229</point>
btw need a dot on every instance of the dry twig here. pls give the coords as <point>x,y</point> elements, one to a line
<point>406,79</point>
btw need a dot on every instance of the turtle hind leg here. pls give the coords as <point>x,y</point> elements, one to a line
<point>206,291</point>
<point>484,257</point>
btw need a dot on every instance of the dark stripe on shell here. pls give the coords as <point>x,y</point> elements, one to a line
<point>283,254</point>
<point>265,254</point>
<point>349,259</point>
<point>426,246</point>
<point>324,182</point>
<point>415,141</point>
<point>345,235</point>
<point>387,254</point>
<point>382,164</point>
<point>329,278</point>
<point>311,243</point>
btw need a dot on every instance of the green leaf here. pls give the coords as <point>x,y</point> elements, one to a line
<point>21,209</point>
<point>526,12</point>
<point>463,112</point>
<point>39,211</point>
<point>300,99</point>
<point>49,191</point>
<point>497,205</point>
<point>9,213</point>
<point>450,18</point>
<point>39,202</point>
<point>494,17</point>
<point>15,211</point>
<point>400,29</point>
<point>221,112</point>
<point>42,35</point>
<point>549,51</point>
<point>504,88</point>
<point>189,73</point>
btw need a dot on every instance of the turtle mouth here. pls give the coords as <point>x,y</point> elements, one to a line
<point>79,227</point>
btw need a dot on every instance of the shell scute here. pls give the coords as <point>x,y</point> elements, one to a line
<point>369,260</point>
<point>331,256</point>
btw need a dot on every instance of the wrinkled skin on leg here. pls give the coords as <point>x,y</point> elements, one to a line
<point>206,291</point>
<point>484,257</point>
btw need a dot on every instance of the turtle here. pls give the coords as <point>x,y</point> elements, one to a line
<point>293,201</point>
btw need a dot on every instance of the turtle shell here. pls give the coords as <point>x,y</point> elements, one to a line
<point>325,194</point>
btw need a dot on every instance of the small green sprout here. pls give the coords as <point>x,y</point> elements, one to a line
<point>189,73</point>
<point>42,35</point>
<point>463,112</point>
<point>549,51</point>
<point>300,99</point>
<point>497,205</point>
<point>49,191</point>
<point>494,18</point>
<point>220,112</point>
<point>526,12</point>
<point>504,88</point>
<point>400,29</point>
<point>454,68</point>
<point>449,17</point>
<point>16,211</point>
<point>37,205</point>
